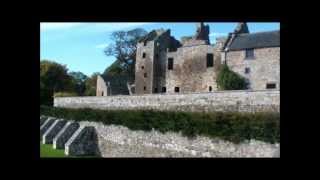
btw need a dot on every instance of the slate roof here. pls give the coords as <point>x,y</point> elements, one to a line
<point>256,40</point>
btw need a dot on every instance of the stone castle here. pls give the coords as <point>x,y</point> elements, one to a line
<point>166,65</point>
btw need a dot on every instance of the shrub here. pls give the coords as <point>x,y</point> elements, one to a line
<point>232,126</point>
<point>65,94</point>
<point>229,80</point>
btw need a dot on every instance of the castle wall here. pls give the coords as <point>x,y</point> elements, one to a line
<point>102,89</point>
<point>144,65</point>
<point>264,68</point>
<point>190,72</point>
<point>243,101</point>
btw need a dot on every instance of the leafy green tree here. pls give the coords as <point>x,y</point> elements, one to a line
<point>124,49</point>
<point>79,79</point>
<point>90,85</point>
<point>53,78</point>
<point>229,80</point>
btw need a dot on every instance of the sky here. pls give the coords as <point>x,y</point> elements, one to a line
<point>80,46</point>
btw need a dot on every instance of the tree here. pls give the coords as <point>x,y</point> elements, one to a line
<point>79,79</point>
<point>90,85</point>
<point>124,48</point>
<point>229,80</point>
<point>53,78</point>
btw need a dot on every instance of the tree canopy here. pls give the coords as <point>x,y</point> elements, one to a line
<point>124,48</point>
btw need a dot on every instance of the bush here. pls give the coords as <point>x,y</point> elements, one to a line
<point>232,126</point>
<point>65,94</point>
<point>229,80</point>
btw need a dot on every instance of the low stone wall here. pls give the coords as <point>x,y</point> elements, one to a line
<point>243,101</point>
<point>117,141</point>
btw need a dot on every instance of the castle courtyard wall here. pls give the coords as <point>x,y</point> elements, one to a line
<point>242,101</point>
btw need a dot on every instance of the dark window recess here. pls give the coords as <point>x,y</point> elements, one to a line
<point>209,60</point>
<point>170,63</point>
<point>102,93</point>
<point>142,67</point>
<point>176,89</point>
<point>155,90</point>
<point>157,56</point>
<point>145,43</point>
<point>145,75</point>
<point>271,86</point>
<point>164,89</point>
<point>144,88</point>
<point>210,88</point>
<point>249,53</point>
<point>144,55</point>
<point>247,70</point>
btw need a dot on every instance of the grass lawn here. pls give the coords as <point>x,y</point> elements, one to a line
<point>46,150</point>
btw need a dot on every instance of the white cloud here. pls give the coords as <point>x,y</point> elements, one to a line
<point>216,34</point>
<point>56,26</point>
<point>102,46</point>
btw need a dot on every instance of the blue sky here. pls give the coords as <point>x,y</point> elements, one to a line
<point>80,46</point>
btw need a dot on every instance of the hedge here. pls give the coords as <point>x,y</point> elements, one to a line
<point>231,126</point>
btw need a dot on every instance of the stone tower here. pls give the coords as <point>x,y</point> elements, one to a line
<point>151,62</point>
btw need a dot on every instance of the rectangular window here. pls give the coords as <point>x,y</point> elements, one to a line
<point>144,55</point>
<point>247,70</point>
<point>250,53</point>
<point>145,43</point>
<point>142,67</point>
<point>156,90</point>
<point>164,89</point>
<point>176,89</point>
<point>270,86</point>
<point>170,63</point>
<point>209,60</point>
<point>210,88</point>
<point>144,88</point>
<point>145,75</point>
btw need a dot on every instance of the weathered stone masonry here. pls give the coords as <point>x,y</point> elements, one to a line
<point>117,141</point>
<point>243,101</point>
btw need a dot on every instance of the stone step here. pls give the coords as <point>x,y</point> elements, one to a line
<point>51,133</point>
<point>65,134</point>
<point>46,125</point>
<point>42,120</point>
<point>83,142</point>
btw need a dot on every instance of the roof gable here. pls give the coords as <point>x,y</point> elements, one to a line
<point>256,40</point>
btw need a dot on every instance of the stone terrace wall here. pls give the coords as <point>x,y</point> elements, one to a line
<point>243,101</point>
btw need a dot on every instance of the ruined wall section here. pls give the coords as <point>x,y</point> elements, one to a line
<point>190,72</point>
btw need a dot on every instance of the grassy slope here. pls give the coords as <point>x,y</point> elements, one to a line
<point>46,150</point>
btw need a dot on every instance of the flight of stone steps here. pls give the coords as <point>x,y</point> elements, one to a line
<point>75,139</point>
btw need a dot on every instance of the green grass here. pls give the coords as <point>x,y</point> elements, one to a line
<point>46,150</point>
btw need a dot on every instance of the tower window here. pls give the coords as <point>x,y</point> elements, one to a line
<point>271,86</point>
<point>170,63</point>
<point>164,89</point>
<point>142,67</point>
<point>250,53</point>
<point>247,70</point>
<point>144,88</point>
<point>176,89</point>
<point>145,43</point>
<point>209,60</point>
<point>144,55</point>
<point>210,88</point>
<point>145,75</point>
<point>156,90</point>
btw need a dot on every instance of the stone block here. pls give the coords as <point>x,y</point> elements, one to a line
<point>46,125</point>
<point>65,134</point>
<point>83,142</point>
<point>53,131</point>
